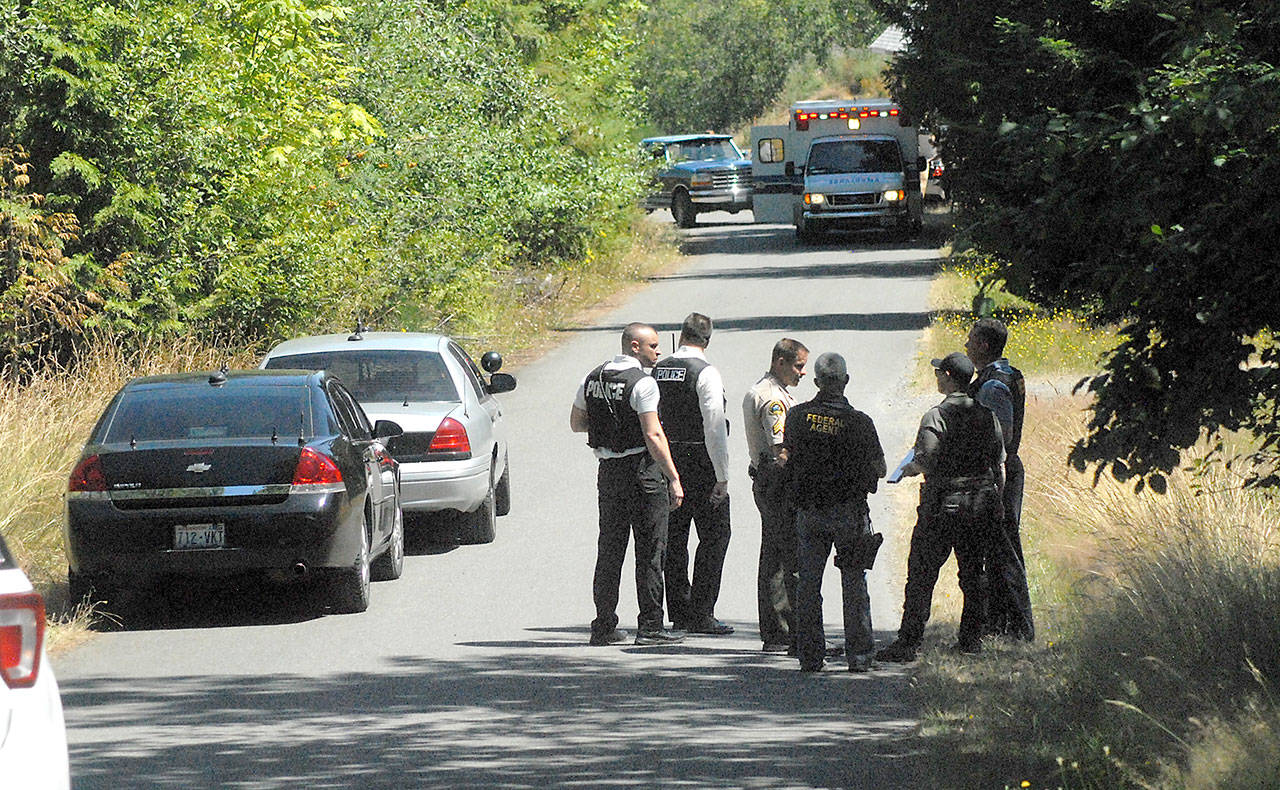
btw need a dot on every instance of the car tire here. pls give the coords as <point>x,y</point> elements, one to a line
<point>480,525</point>
<point>502,494</point>
<point>682,210</point>
<point>350,591</point>
<point>390,564</point>
<point>807,233</point>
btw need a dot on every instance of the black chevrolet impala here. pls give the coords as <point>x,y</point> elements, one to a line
<point>219,473</point>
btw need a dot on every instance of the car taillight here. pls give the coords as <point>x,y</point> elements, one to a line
<point>450,437</point>
<point>315,468</point>
<point>21,635</point>
<point>88,476</point>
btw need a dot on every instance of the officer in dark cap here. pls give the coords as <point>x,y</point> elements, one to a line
<point>617,407</point>
<point>1000,387</point>
<point>960,451</point>
<point>834,459</point>
<point>692,413</point>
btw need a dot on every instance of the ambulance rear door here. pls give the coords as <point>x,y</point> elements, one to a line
<point>773,183</point>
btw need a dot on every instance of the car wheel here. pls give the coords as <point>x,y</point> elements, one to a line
<point>502,494</point>
<point>351,585</point>
<point>390,564</point>
<point>682,210</point>
<point>480,525</point>
<point>807,233</point>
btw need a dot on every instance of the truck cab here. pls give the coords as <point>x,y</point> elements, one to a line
<point>839,165</point>
<point>698,172</point>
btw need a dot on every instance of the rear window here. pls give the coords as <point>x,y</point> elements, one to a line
<point>374,375</point>
<point>205,412</point>
<point>855,156</point>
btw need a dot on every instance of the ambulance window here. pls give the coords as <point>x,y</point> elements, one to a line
<point>770,149</point>
<point>855,156</point>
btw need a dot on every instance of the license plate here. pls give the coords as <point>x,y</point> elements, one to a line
<point>199,536</point>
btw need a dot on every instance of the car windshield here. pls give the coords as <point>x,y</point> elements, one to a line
<point>201,411</point>
<point>380,375</point>
<point>855,156</point>
<point>703,150</point>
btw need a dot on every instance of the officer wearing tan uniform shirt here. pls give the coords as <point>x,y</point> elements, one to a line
<point>764,412</point>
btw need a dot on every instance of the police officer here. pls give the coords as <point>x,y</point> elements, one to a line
<point>834,459</point>
<point>764,410</point>
<point>692,414</point>
<point>1000,387</point>
<point>617,407</point>
<point>960,450</point>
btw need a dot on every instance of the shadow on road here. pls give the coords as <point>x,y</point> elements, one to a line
<point>856,322</point>
<point>578,716</point>
<point>213,603</point>
<point>738,239</point>
<point>876,269</point>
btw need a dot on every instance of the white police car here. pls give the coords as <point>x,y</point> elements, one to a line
<point>453,452</point>
<point>33,737</point>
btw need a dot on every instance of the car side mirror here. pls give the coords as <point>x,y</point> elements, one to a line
<point>385,429</point>
<point>491,361</point>
<point>501,382</point>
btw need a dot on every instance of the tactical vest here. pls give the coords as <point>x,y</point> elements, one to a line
<point>970,444</point>
<point>680,409</point>
<point>611,422</point>
<point>1017,388</point>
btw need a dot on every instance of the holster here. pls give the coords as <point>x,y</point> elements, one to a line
<point>861,555</point>
<point>772,477</point>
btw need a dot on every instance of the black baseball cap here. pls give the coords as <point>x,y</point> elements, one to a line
<point>956,365</point>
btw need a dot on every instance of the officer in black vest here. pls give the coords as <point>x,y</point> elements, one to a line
<point>617,407</point>
<point>960,450</point>
<point>692,413</point>
<point>1000,387</point>
<point>834,460</point>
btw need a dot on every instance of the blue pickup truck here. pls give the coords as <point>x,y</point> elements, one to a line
<point>698,172</point>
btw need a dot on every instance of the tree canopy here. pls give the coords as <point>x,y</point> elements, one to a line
<point>1119,157</point>
<point>248,169</point>
<point>714,65</point>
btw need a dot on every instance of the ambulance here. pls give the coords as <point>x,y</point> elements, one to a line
<point>851,164</point>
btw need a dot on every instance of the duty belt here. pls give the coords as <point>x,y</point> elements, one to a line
<point>967,483</point>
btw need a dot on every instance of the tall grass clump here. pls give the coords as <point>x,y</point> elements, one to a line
<point>1156,661</point>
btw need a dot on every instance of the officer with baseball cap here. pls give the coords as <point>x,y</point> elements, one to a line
<point>960,451</point>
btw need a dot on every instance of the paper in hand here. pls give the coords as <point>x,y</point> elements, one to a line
<point>896,475</point>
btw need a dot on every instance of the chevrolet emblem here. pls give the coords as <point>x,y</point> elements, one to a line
<point>199,467</point>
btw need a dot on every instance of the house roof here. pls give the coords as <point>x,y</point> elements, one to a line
<point>891,41</point>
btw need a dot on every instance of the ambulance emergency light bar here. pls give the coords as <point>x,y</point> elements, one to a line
<point>852,115</point>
